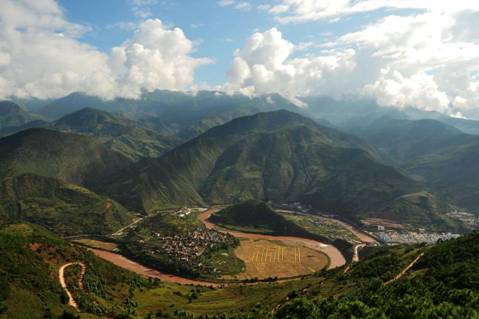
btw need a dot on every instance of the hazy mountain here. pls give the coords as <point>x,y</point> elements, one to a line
<point>59,206</point>
<point>433,152</point>
<point>11,115</point>
<point>277,156</point>
<point>123,135</point>
<point>74,158</point>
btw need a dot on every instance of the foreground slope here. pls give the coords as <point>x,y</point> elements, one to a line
<point>277,156</point>
<point>64,208</point>
<point>29,285</point>
<point>434,282</point>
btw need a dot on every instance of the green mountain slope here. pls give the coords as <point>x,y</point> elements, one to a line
<point>125,136</point>
<point>277,156</point>
<point>12,114</point>
<point>73,158</point>
<point>64,208</point>
<point>443,283</point>
<point>29,288</point>
<point>256,216</point>
<point>433,152</point>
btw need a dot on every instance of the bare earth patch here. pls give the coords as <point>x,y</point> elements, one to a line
<point>276,258</point>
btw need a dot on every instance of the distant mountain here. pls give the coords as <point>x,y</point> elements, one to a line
<point>277,156</point>
<point>123,135</point>
<point>11,115</point>
<point>59,206</point>
<point>74,158</point>
<point>433,152</point>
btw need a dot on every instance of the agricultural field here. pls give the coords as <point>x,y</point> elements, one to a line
<point>98,244</point>
<point>321,226</point>
<point>274,258</point>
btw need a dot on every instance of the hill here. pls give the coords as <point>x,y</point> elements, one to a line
<point>274,156</point>
<point>433,152</point>
<point>76,159</point>
<point>442,283</point>
<point>11,114</point>
<point>65,208</point>
<point>258,217</point>
<point>132,139</point>
<point>29,286</point>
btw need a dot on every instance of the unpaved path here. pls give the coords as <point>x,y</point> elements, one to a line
<point>61,279</point>
<point>405,270</point>
<point>120,231</point>
<point>336,259</point>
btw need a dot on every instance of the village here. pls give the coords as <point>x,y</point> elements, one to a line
<point>189,248</point>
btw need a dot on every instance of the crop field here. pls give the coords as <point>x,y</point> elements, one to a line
<point>93,243</point>
<point>321,226</point>
<point>268,258</point>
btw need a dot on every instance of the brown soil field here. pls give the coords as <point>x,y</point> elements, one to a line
<point>274,258</point>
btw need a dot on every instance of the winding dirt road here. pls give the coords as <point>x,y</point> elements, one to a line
<point>405,270</point>
<point>61,279</point>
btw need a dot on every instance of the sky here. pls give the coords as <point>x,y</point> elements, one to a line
<point>402,53</point>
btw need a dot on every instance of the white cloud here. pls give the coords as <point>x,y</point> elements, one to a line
<point>155,57</point>
<point>428,59</point>
<point>41,56</point>
<point>236,4</point>
<point>264,65</point>
<point>288,11</point>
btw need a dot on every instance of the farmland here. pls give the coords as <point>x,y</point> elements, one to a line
<point>273,258</point>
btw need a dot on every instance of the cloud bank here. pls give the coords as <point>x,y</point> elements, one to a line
<point>427,59</point>
<point>41,56</point>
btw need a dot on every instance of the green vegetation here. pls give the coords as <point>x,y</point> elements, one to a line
<point>435,153</point>
<point>29,263</point>
<point>65,208</point>
<point>258,217</point>
<point>277,156</point>
<point>320,226</point>
<point>12,115</point>
<point>73,158</point>
<point>125,136</point>
<point>418,209</point>
<point>176,245</point>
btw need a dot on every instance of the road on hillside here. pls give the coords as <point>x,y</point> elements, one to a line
<point>61,279</point>
<point>336,258</point>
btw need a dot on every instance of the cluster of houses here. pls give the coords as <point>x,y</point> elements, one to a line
<point>188,248</point>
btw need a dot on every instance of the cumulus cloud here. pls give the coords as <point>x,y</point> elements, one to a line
<point>427,59</point>
<point>264,65</point>
<point>236,4</point>
<point>41,56</point>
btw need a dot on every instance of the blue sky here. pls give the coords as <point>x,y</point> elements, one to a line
<point>401,53</point>
<point>216,30</point>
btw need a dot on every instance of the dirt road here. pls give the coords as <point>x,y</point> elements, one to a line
<point>336,259</point>
<point>61,279</point>
<point>405,270</point>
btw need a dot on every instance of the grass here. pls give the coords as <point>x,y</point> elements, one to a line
<point>321,226</point>
<point>93,243</point>
<point>171,297</point>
